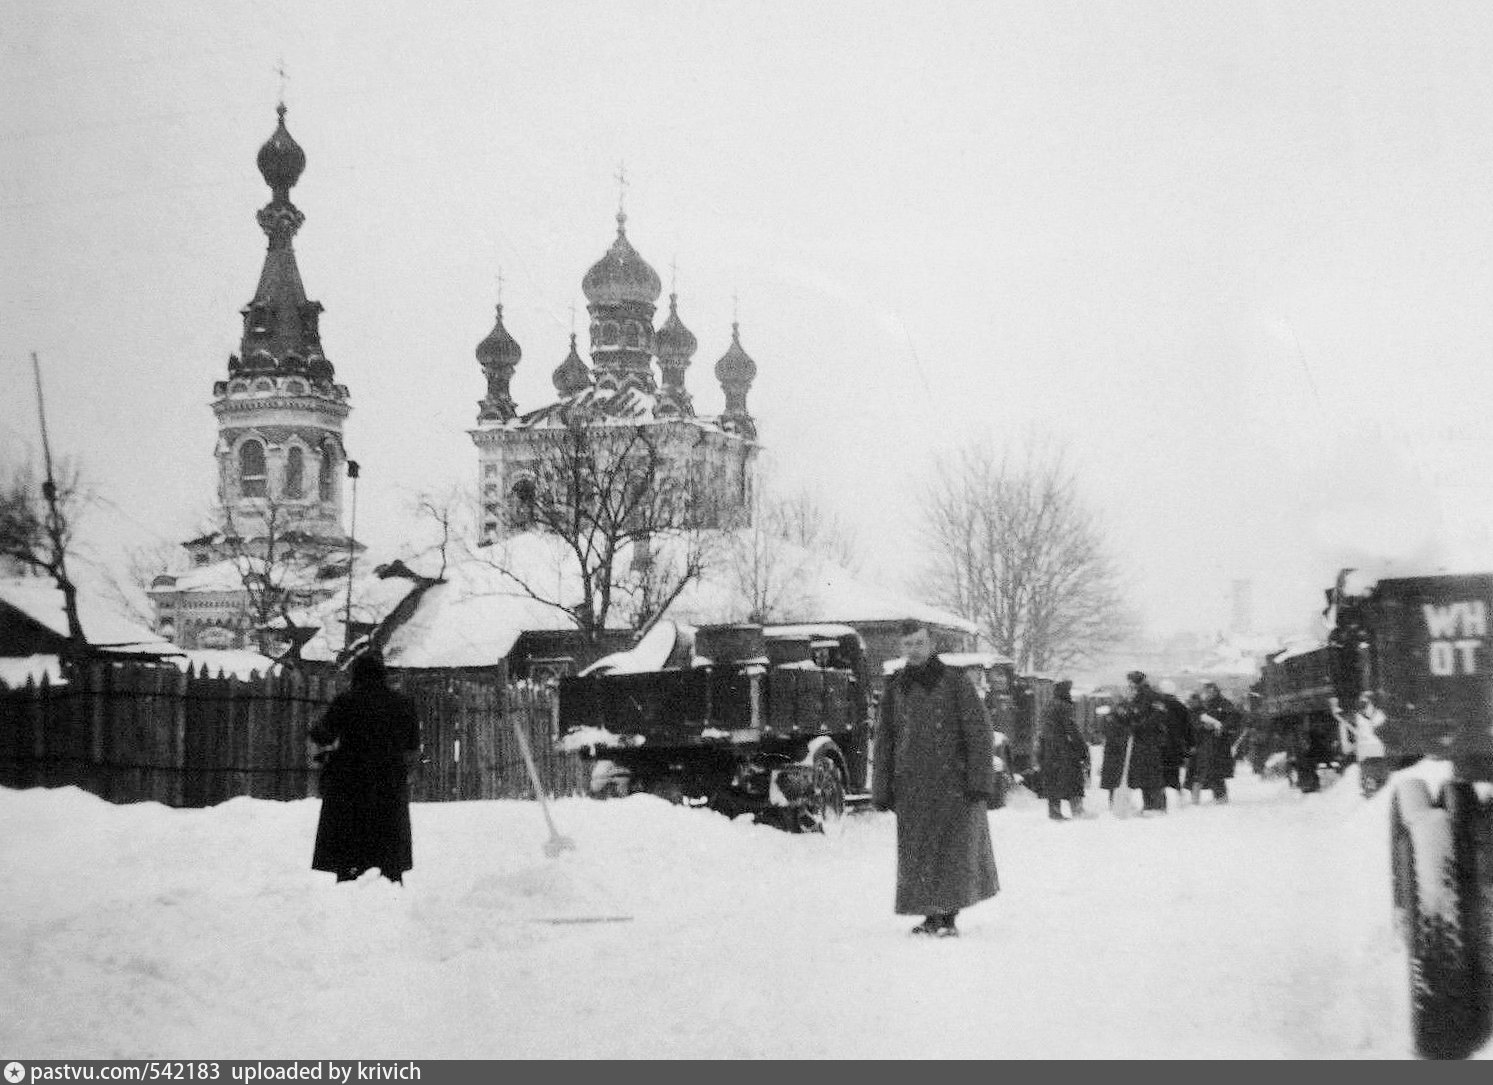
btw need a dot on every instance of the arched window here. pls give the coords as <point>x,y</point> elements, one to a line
<point>522,511</point>
<point>609,334</point>
<point>633,334</point>
<point>324,473</point>
<point>295,472</point>
<point>251,469</point>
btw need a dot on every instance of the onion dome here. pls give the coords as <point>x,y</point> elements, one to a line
<point>736,365</point>
<point>621,275</point>
<point>281,159</point>
<point>674,339</point>
<point>572,375</point>
<point>499,350</point>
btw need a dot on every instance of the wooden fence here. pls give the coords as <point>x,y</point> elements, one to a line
<point>132,733</point>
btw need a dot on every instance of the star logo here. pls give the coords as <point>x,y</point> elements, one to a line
<point>15,1073</point>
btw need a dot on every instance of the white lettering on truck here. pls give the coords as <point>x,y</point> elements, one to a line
<point>1456,630</point>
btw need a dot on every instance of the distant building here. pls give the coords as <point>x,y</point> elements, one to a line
<point>279,450</point>
<point>618,389</point>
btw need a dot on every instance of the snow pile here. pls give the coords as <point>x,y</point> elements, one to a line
<point>1260,928</point>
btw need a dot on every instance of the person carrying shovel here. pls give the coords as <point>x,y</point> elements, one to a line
<point>1135,735</point>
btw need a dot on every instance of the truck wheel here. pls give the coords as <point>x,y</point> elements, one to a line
<point>1472,870</point>
<point>824,810</point>
<point>668,787</point>
<point>1444,1001</point>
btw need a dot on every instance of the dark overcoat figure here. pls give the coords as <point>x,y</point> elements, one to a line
<point>1213,757</point>
<point>1141,721</point>
<point>934,768</point>
<point>1061,749</point>
<point>1179,740</point>
<point>365,803</point>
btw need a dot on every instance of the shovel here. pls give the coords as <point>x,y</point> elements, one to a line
<point>1121,804</point>
<point>556,843</point>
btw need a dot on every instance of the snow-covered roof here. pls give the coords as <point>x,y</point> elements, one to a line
<point>474,617</point>
<point>985,660</point>
<point>16,671</point>
<point>41,601</point>
<point>625,407</point>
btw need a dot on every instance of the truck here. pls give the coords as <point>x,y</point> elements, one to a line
<point>1296,710</point>
<point>1419,647</point>
<point>768,720</point>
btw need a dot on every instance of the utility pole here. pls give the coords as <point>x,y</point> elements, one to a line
<point>57,527</point>
<point>352,552</point>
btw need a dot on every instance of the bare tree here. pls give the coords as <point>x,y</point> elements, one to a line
<point>801,519</point>
<point>38,525</point>
<point>635,526</point>
<point>283,568</point>
<point>770,562</point>
<point>1014,547</point>
<point>128,585</point>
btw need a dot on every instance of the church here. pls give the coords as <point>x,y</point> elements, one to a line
<point>619,389</point>
<point>279,547</point>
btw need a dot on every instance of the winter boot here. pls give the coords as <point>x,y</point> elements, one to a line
<point>930,925</point>
<point>946,928</point>
<point>1076,806</point>
<point>1055,810</point>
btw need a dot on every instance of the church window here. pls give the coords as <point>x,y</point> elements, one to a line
<point>609,334</point>
<point>238,388</point>
<point>324,473</point>
<point>264,385</point>
<point>522,512</point>
<point>251,474</point>
<point>633,334</point>
<point>295,387</point>
<point>295,472</point>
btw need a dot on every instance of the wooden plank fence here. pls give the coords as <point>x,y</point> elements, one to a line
<point>135,733</point>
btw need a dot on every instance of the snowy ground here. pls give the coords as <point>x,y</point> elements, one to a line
<point>1257,929</point>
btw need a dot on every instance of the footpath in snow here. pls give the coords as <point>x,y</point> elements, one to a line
<point>1259,929</point>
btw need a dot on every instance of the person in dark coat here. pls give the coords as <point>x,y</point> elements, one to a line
<point>933,766</point>
<point>1062,755</point>
<point>1218,727</point>
<point>371,736</point>
<point>1178,748</point>
<point>1139,724</point>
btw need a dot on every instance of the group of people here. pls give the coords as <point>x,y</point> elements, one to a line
<point>934,767</point>
<point>1152,742</point>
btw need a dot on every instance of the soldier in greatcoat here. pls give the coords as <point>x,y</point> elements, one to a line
<point>1218,726</point>
<point>934,767</point>
<point>1137,724</point>
<point>1062,755</point>
<point>370,737</point>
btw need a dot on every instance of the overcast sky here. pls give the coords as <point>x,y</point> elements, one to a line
<point>1239,255</point>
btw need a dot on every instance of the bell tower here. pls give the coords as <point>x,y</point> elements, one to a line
<point>280,412</point>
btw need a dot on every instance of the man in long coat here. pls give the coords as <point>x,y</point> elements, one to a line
<point>1062,755</point>
<point>934,767</point>
<point>1138,724</point>
<point>373,735</point>
<point>1218,727</point>
<point>1177,752</point>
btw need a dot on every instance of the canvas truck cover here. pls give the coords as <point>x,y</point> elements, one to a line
<point>1430,658</point>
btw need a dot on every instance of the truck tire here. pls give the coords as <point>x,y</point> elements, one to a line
<point>1472,864</point>
<point>824,811</point>
<point>1444,1000</point>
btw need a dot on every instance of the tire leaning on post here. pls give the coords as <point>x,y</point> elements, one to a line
<point>1435,904</point>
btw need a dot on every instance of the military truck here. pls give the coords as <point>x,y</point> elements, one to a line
<point>1420,646</point>
<point>773,721</point>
